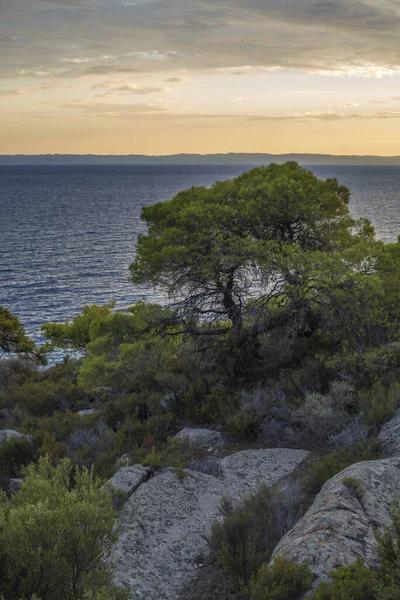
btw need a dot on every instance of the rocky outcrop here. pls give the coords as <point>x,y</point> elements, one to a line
<point>8,434</point>
<point>390,436</point>
<point>164,523</point>
<point>205,439</point>
<point>127,480</point>
<point>339,526</point>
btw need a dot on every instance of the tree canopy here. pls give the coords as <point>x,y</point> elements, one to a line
<point>275,249</point>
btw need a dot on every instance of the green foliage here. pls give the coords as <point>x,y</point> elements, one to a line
<point>77,334</point>
<point>354,486</point>
<point>125,351</point>
<point>323,469</point>
<point>13,338</point>
<point>288,237</point>
<point>354,582</point>
<point>40,393</point>
<point>244,541</point>
<point>153,460</point>
<point>388,549</point>
<point>15,453</point>
<point>243,424</point>
<point>56,535</point>
<point>379,402</point>
<point>231,230</point>
<point>282,580</point>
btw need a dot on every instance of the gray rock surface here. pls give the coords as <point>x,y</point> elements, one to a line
<point>7,434</point>
<point>87,412</point>
<point>390,436</point>
<point>203,438</point>
<point>162,524</point>
<point>127,480</point>
<point>339,526</point>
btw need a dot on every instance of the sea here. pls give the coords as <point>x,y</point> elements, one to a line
<point>68,233</point>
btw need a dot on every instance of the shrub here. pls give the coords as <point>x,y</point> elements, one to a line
<point>56,535</point>
<point>354,487</point>
<point>354,431</point>
<point>153,460</point>
<point>354,582</point>
<point>243,424</point>
<point>15,453</point>
<point>325,414</point>
<point>388,550</point>
<point>282,580</point>
<point>246,538</point>
<point>323,469</point>
<point>379,402</point>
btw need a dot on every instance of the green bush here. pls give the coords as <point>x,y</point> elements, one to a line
<point>282,580</point>
<point>354,582</point>
<point>243,424</point>
<point>354,487</point>
<point>388,549</point>
<point>153,460</point>
<point>379,402</point>
<point>15,453</point>
<point>323,469</point>
<point>246,538</point>
<point>56,536</point>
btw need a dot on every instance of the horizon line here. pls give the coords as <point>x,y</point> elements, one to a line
<point>384,156</point>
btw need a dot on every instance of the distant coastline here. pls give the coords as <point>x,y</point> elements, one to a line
<point>197,159</point>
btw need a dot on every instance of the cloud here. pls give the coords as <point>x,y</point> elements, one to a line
<point>34,73</point>
<point>5,93</point>
<point>76,61</point>
<point>178,80</point>
<point>153,56</point>
<point>112,87</point>
<point>91,107</point>
<point>358,38</point>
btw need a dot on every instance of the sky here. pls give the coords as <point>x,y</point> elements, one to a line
<point>199,76</point>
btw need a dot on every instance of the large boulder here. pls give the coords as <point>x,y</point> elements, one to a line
<point>390,436</point>
<point>10,434</point>
<point>203,438</point>
<point>339,527</point>
<point>164,523</point>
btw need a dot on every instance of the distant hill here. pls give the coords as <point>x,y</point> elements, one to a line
<point>196,159</point>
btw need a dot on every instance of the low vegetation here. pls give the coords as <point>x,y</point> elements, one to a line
<point>56,536</point>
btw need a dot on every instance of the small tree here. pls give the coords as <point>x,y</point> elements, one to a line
<point>56,536</point>
<point>13,339</point>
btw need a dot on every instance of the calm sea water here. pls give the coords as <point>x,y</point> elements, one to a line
<point>68,233</point>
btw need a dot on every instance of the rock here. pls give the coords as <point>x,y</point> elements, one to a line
<point>203,438</point>
<point>127,480</point>
<point>390,436</point>
<point>246,471</point>
<point>123,461</point>
<point>163,524</point>
<point>14,485</point>
<point>339,526</point>
<point>7,434</point>
<point>88,411</point>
